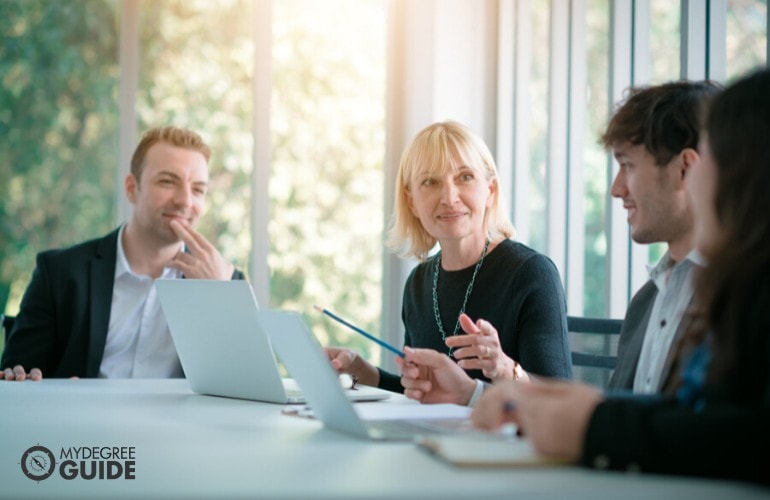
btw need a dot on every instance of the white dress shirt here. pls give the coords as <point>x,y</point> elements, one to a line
<point>138,343</point>
<point>674,281</point>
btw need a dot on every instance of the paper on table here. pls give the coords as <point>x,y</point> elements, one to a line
<point>484,450</point>
<point>376,411</point>
<point>380,411</point>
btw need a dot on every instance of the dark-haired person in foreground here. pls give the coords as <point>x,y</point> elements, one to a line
<point>715,421</point>
<point>91,310</point>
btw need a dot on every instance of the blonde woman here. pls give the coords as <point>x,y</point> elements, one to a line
<point>447,193</point>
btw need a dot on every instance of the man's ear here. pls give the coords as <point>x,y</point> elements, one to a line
<point>688,157</point>
<point>131,187</point>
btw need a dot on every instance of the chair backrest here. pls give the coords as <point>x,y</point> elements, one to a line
<point>594,345</point>
<point>7,323</point>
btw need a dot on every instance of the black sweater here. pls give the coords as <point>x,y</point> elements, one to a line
<point>517,290</point>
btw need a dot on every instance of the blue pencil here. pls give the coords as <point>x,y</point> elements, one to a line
<point>365,334</point>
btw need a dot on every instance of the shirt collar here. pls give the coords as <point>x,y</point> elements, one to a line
<point>666,266</point>
<point>696,258</point>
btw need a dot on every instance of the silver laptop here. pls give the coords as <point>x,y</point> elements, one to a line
<point>222,347</point>
<point>303,356</point>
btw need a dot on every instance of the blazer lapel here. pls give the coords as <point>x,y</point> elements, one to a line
<point>101,283</point>
<point>632,336</point>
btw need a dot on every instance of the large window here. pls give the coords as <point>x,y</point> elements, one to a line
<point>326,187</point>
<point>606,47</point>
<point>59,78</point>
<point>596,185</point>
<point>664,39</point>
<point>317,229</point>
<point>746,36</point>
<point>59,84</point>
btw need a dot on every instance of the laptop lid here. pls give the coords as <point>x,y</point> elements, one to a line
<point>220,343</point>
<point>306,361</point>
<point>222,347</point>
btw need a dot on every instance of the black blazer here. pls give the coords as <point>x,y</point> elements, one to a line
<point>62,324</point>
<point>632,336</point>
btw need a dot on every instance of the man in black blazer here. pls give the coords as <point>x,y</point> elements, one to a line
<point>90,310</point>
<point>654,136</point>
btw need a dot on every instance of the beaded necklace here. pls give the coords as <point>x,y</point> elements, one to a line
<point>436,314</point>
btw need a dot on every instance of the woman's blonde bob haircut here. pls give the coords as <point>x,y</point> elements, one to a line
<point>435,150</point>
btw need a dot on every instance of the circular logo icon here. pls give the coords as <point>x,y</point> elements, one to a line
<point>38,463</point>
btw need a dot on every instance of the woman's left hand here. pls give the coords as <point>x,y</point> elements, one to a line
<point>480,349</point>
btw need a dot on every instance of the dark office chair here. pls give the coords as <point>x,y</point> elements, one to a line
<point>7,323</point>
<point>594,345</point>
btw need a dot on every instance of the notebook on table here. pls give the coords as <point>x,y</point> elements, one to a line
<point>485,451</point>
<point>303,356</point>
<point>223,349</point>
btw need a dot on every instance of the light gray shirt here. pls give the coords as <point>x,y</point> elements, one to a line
<point>138,343</point>
<point>674,281</point>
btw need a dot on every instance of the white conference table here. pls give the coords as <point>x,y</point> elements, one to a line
<point>193,446</point>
